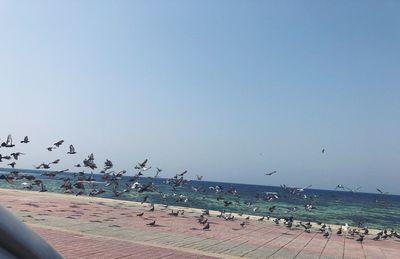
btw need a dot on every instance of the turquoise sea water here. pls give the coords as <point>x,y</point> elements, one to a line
<point>332,207</point>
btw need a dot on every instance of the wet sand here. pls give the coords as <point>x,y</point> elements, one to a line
<point>91,227</point>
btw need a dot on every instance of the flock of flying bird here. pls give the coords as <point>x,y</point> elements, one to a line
<point>77,183</point>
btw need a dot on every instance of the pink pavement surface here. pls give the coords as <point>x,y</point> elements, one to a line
<point>90,227</point>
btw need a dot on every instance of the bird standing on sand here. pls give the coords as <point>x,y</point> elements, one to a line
<point>207,226</point>
<point>151,224</point>
<point>142,166</point>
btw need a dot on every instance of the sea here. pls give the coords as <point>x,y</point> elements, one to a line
<point>377,211</point>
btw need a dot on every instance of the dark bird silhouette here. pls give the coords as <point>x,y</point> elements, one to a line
<point>43,165</point>
<point>9,142</point>
<point>183,173</point>
<point>4,157</point>
<point>207,226</point>
<point>360,239</point>
<point>71,150</point>
<point>25,141</point>
<point>271,173</point>
<point>157,172</point>
<point>12,164</point>
<point>381,192</point>
<point>89,162</point>
<point>58,143</point>
<point>151,224</point>
<point>140,214</point>
<point>55,161</point>
<point>108,165</point>
<point>16,155</point>
<point>43,188</point>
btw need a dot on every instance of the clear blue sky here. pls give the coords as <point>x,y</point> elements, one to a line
<point>226,89</point>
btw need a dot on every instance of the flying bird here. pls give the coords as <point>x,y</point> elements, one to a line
<point>12,164</point>
<point>55,161</point>
<point>25,141</point>
<point>71,150</point>
<point>271,173</point>
<point>381,192</point>
<point>16,155</point>
<point>58,143</point>
<point>157,172</point>
<point>9,142</point>
<point>141,165</point>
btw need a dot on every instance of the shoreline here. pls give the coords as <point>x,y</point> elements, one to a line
<point>95,227</point>
<point>212,213</point>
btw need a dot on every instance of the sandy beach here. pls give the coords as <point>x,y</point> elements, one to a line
<point>88,227</point>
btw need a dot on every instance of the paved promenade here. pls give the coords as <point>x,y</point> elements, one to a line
<point>87,227</point>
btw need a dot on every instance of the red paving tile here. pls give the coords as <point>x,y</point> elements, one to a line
<point>102,228</point>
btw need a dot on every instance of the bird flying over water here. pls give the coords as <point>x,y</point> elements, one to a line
<point>55,161</point>
<point>339,186</point>
<point>16,155</point>
<point>381,192</point>
<point>141,165</point>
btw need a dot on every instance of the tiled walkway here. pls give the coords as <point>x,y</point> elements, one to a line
<point>84,227</point>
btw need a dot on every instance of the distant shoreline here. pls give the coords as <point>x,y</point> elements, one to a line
<point>34,171</point>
